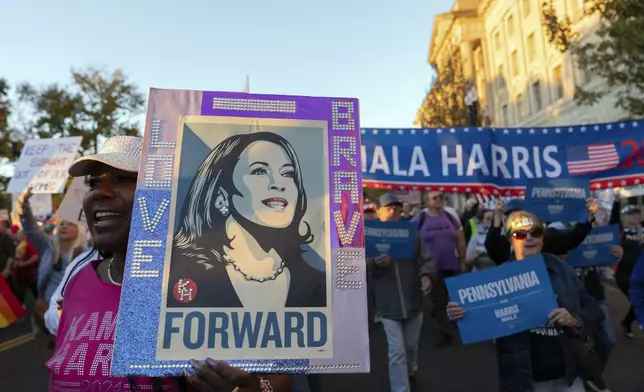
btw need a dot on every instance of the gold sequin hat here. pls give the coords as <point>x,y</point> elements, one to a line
<point>520,219</point>
<point>120,152</point>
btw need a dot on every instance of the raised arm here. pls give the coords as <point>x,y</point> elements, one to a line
<point>496,245</point>
<point>38,238</point>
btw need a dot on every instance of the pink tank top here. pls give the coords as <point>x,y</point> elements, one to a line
<point>85,340</point>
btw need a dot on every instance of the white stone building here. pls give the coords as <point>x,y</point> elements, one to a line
<point>520,78</point>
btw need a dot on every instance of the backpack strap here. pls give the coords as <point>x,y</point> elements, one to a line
<point>421,219</point>
<point>452,219</point>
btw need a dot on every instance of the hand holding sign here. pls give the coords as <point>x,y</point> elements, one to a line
<point>383,260</point>
<point>562,317</point>
<point>455,311</point>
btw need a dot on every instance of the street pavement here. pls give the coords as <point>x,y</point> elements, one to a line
<point>469,368</point>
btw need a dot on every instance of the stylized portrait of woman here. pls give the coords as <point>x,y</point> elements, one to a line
<point>242,239</point>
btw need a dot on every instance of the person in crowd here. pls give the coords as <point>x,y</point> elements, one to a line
<point>52,315</point>
<point>555,242</point>
<point>544,359</point>
<point>55,252</point>
<point>16,234</point>
<point>476,254</point>
<point>471,218</point>
<point>442,234</point>
<point>49,229</point>
<point>370,211</point>
<point>7,250</point>
<point>398,286</point>
<point>632,236</point>
<point>111,176</point>
<point>605,338</point>
<point>636,291</point>
<point>406,211</point>
<point>25,267</point>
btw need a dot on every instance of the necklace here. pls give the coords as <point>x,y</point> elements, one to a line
<point>279,271</point>
<point>109,273</point>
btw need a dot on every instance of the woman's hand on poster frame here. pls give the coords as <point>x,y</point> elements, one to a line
<point>218,376</point>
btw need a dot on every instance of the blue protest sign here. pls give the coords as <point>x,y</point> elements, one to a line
<point>396,239</point>
<point>595,250</point>
<point>503,300</point>
<point>557,200</point>
<point>480,160</point>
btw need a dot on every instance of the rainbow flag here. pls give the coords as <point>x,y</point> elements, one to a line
<point>10,308</point>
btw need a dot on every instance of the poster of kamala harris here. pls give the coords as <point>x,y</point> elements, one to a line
<point>247,240</point>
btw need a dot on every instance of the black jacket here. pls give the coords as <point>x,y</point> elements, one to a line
<point>396,288</point>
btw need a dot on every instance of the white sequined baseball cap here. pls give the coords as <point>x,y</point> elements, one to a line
<point>120,152</point>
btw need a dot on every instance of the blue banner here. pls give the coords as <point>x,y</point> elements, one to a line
<point>484,160</point>
<point>503,300</point>
<point>595,250</point>
<point>396,239</point>
<point>558,200</point>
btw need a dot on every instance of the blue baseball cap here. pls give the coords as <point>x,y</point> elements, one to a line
<point>389,199</point>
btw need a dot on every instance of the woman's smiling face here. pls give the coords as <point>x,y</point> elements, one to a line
<point>265,178</point>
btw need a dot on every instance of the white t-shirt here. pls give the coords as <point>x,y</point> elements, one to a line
<point>52,318</point>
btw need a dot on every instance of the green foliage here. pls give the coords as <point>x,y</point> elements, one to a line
<point>94,104</point>
<point>444,105</point>
<point>616,54</point>
<point>109,103</point>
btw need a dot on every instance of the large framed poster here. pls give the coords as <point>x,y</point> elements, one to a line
<point>247,240</point>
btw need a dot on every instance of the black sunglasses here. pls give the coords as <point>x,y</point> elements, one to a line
<point>535,232</point>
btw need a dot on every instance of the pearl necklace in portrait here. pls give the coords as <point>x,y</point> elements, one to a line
<point>279,271</point>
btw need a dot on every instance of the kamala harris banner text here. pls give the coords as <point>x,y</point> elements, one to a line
<point>491,160</point>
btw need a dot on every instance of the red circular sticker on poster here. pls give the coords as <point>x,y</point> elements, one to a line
<point>185,290</point>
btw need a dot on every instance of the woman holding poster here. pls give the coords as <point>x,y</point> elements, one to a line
<point>553,362</point>
<point>242,239</point>
<point>91,300</point>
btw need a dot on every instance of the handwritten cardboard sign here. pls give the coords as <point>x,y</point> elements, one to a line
<point>71,208</point>
<point>43,165</point>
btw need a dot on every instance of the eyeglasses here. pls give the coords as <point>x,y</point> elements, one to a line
<point>437,197</point>
<point>535,232</point>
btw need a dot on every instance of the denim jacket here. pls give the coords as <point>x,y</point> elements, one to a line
<point>513,352</point>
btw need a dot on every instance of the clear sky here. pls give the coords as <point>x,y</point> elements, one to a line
<point>374,50</point>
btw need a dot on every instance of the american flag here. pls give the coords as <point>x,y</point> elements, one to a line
<point>591,158</point>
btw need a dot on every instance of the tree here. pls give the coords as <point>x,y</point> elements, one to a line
<point>444,105</point>
<point>616,54</point>
<point>96,104</point>
<point>5,111</point>
<point>110,102</point>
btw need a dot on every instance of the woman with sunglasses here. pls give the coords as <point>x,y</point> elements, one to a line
<point>544,359</point>
<point>554,242</point>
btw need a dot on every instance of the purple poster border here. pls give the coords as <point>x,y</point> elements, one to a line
<point>136,340</point>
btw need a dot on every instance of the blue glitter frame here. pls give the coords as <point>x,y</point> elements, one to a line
<point>137,330</point>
